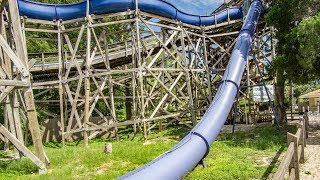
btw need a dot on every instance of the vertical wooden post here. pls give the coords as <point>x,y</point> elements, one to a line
<point>28,94</point>
<point>295,161</point>
<point>110,85</point>
<point>87,79</point>
<point>139,60</point>
<point>6,121</point>
<point>291,101</point>
<point>162,79</point>
<point>9,113</point>
<point>16,116</point>
<point>128,100</point>
<point>306,118</point>
<point>188,80</point>
<point>133,80</point>
<point>61,90</point>
<point>245,111</point>
<point>302,139</point>
<point>206,64</point>
<point>249,92</point>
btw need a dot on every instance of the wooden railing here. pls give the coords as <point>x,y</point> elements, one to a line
<point>295,153</point>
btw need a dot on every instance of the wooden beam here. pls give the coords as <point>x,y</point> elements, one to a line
<point>20,146</point>
<point>16,83</point>
<point>22,60</point>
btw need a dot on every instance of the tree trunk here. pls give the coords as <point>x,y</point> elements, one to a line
<point>280,97</point>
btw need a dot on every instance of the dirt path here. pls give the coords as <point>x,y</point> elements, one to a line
<point>311,168</point>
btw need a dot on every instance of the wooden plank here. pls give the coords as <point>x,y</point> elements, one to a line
<point>20,146</point>
<point>16,116</point>
<point>16,83</point>
<point>284,166</point>
<point>87,80</point>
<point>28,93</point>
<point>14,58</point>
<point>295,159</point>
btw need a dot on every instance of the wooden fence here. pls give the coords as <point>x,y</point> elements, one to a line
<point>295,153</point>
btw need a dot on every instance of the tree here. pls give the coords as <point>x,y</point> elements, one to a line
<point>292,63</point>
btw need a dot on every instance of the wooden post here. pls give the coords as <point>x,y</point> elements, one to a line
<point>249,91</point>
<point>16,117</point>
<point>306,118</point>
<point>295,161</point>
<point>245,111</point>
<point>133,80</point>
<point>188,81</point>
<point>206,64</point>
<point>301,140</point>
<point>9,112</point>
<point>139,60</point>
<point>128,102</point>
<point>87,79</point>
<point>61,90</point>
<point>28,94</point>
<point>291,101</point>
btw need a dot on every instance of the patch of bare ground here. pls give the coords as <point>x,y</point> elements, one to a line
<point>241,127</point>
<point>155,141</point>
<point>310,170</point>
<point>106,166</point>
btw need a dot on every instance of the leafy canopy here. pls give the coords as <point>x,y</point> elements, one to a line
<point>297,32</point>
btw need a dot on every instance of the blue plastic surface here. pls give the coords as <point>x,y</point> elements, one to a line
<point>51,12</point>
<point>182,158</point>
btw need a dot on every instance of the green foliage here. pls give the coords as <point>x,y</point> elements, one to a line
<point>297,48</point>
<point>308,36</point>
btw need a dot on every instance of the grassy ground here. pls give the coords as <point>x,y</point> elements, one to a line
<point>244,155</point>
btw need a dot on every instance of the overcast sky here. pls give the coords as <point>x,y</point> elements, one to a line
<point>197,7</point>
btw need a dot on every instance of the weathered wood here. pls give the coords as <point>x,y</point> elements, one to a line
<point>302,141</point>
<point>295,160</point>
<point>61,89</point>
<point>16,116</point>
<point>15,83</point>
<point>285,163</point>
<point>15,59</point>
<point>28,94</point>
<point>20,146</point>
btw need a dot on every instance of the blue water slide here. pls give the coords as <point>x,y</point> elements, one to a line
<point>182,158</point>
<point>51,12</point>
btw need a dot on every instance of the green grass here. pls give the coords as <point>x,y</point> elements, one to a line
<point>235,156</point>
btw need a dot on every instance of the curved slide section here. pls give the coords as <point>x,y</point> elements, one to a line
<point>162,8</point>
<point>175,163</point>
<point>182,158</point>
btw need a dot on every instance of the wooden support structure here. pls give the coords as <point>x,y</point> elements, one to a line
<point>168,72</point>
<point>15,87</point>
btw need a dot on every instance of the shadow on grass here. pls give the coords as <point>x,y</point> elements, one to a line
<point>176,132</point>
<point>17,166</point>
<point>260,138</point>
<point>273,163</point>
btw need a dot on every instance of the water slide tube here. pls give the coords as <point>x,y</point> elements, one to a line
<point>182,158</point>
<point>51,12</point>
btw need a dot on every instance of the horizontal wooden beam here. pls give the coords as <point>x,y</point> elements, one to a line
<point>16,83</point>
